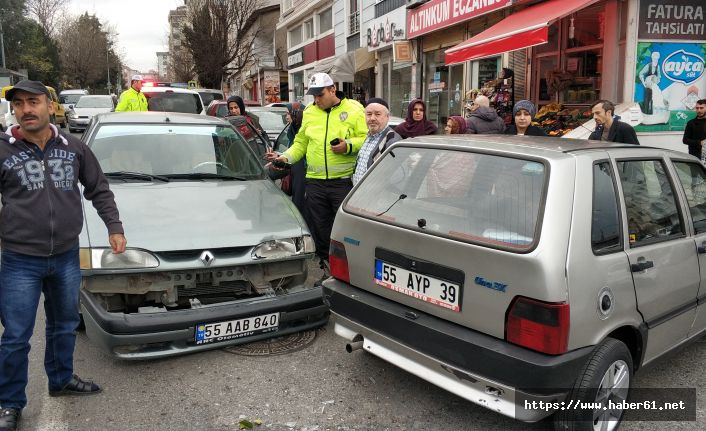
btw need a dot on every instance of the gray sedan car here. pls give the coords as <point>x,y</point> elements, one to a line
<point>216,255</point>
<point>526,275</point>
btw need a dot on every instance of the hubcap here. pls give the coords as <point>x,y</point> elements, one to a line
<point>613,389</point>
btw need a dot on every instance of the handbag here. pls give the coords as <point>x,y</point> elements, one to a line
<point>287,184</point>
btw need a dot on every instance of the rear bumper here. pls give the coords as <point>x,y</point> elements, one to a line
<point>161,334</point>
<point>482,369</point>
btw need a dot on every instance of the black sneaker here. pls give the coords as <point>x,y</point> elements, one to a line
<point>9,419</point>
<point>76,386</point>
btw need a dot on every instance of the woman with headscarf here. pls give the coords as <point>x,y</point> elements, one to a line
<point>455,125</point>
<point>297,173</point>
<point>524,111</point>
<point>416,123</point>
<point>236,106</point>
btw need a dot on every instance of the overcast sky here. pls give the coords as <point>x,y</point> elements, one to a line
<point>141,26</point>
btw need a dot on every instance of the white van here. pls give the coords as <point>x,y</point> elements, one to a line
<point>70,97</point>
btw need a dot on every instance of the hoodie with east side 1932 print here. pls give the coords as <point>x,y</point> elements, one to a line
<point>41,203</point>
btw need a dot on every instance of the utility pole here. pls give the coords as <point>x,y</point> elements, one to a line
<point>2,46</point>
<point>107,63</point>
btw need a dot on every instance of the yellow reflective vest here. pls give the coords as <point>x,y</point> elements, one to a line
<point>346,121</point>
<point>131,100</point>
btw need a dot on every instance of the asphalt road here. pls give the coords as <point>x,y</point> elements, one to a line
<point>320,387</point>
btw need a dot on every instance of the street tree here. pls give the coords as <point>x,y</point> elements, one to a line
<point>181,65</point>
<point>48,13</point>
<point>87,51</point>
<point>27,45</point>
<point>215,34</point>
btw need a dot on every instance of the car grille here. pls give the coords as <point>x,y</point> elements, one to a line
<point>194,254</point>
<point>233,287</point>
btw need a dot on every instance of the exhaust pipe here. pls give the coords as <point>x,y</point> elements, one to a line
<point>355,345</point>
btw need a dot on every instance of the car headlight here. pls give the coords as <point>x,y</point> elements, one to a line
<point>71,114</point>
<point>281,248</point>
<point>103,258</point>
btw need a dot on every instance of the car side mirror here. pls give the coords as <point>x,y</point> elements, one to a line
<point>71,106</point>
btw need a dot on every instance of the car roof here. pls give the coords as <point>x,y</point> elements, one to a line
<point>157,117</point>
<point>209,90</point>
<point>167,90</point>
<point>74,91</point>
<point>549,147</point>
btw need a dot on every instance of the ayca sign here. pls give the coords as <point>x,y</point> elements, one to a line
<point>682,66</point>
<point>381,32</point>
<point>672,19</point>
<point>438,14</point>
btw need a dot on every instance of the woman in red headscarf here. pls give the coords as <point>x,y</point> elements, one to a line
<point>416,123</point>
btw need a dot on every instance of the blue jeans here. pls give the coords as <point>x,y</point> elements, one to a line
<point>22,279</point>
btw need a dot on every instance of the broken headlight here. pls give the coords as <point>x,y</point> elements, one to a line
<point>282,248</point>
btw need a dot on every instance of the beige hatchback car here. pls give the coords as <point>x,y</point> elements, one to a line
<point>507,269</point>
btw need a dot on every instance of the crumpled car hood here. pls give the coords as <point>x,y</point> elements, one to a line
<point>183,215</point>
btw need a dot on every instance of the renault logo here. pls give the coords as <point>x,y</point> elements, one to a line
<point>207,258</point>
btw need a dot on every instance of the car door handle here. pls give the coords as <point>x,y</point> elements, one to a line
<point>641,266</point>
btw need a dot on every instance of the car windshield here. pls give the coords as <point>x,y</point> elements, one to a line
<point>95,102</point>
<point>270,120</point>
<point>70,98</point>
<point>175,150</point>
<point>255,140</point>
<point>208,97</point>
<point>170,101</point>
<point>479,198</point>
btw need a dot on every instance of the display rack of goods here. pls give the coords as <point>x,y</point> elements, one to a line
<point>556,120</point>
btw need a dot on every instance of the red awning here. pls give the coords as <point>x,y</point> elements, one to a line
<point>522,29</point>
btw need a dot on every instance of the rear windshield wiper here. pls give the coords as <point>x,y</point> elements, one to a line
<point>206,176</point>
<point>136,175</point>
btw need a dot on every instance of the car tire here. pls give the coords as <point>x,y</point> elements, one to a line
<point>606,375</point>
<point>64,124</point>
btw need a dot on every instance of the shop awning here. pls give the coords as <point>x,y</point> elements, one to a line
<point>528,27</point>
<point>341,68</point>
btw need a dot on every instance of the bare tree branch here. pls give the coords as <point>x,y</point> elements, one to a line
<point>216,34</point>
<point>48,13</point>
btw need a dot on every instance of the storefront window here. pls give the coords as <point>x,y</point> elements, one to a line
<point>400,87</point>
<point>552,45</point>
<point>585,67</point>
<point>298,85</point>
<point>436,75</point>
<point>545,65</point>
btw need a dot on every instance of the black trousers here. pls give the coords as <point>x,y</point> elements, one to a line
<point>323,197</point>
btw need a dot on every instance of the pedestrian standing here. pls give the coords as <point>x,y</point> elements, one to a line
<point>333,130</point>
<point>380,136</point>
<point>416,123</point>
<point>484,119</point>
<point>695,130</point>
<point>40,220</point>
<point>297,174</point>
<point>524,112</point>
<point>608,125</point>
<point>132,99</point>
<point>236,106</point>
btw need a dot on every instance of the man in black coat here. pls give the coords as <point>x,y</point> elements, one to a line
<point>695,131</point>
<point>609,127</point>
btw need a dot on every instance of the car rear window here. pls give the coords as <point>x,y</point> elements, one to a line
<point>270,120</point>
<point>170,101</point>
<point>207,97</point>
<point>480,198</point>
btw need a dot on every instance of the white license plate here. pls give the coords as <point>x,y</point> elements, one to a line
<point>223,331</point>
<point>429,289</point>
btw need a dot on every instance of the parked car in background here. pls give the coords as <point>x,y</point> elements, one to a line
<point>229,266</point>
<point>508,269</point>
<point>272,119</point>
<point>7,115</point>
<point>217,108</point>
<point>83,111</point>
<point>170,99</point>
<point>208,95</point>
<point>70,97</point>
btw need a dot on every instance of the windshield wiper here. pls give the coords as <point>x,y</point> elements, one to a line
<point>136,175</point>
<point>206,176</point>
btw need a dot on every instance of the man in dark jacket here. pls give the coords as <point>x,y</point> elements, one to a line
<point>695,131</point>
<point>380,136</point>
<point>609,127</point>
<point>40,221</point>
<point>484,119</point>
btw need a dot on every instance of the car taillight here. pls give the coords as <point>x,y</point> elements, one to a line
<point>537,325</point>
<point>338,261</point>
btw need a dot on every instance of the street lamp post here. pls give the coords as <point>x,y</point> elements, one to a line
<point>107,63</point>
<point>2,46</point>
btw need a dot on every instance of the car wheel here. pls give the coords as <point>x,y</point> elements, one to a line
<point>64,124</point>
<point>607,375</point>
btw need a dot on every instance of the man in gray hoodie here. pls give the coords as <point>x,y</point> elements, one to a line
<point>484,119</point>
<point>40,220</point>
